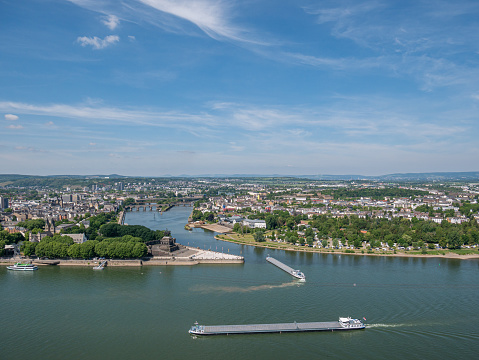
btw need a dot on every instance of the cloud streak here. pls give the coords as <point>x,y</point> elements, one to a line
<point>111,115</point>
<point>368,119</point>
<point>215,18</point>
<point>98,43</point>
<point>14,127</point>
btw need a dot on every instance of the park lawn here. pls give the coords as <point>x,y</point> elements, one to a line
<point>249,240</point>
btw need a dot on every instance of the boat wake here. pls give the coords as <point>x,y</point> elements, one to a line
<point>386,325</point>
<point>238,289</point>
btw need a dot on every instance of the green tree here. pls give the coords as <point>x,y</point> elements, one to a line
<point>87,249</point>
<point>357,243</point>
<point>29,248</point>
<point>453,240</point>
<point>74,251</point>
<point>237,228</point>
<point>309,240</point>
<point>259,236</point>
<point>139,250</point>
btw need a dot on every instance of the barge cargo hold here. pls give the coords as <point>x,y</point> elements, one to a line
<point>341,325</point>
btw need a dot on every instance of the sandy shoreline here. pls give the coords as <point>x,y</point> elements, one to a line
<point>448,255</point>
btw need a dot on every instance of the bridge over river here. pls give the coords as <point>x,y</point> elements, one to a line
<point>160,204</point>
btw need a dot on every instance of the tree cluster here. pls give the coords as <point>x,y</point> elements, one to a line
<point>113,230</point>
<point>374,231</point>
<point>377,194</point>
<point>59,246</point>
<point>416,233</point>
<point>198,215</point>
<point>8,238</point>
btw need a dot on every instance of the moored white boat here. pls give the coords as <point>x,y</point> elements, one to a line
<point>22,267</point>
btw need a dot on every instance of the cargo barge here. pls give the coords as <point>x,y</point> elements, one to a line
<point>341,325</point>
<point>296,273</point>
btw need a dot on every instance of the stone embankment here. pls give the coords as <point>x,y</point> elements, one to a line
<point>211,227</point>
<point>187,256</point>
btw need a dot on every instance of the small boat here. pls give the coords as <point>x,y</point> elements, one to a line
<point>22,267</point>
<point>296,273</point>
<point>100,266</point>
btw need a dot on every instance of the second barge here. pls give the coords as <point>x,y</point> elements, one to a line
<point>296,273</point>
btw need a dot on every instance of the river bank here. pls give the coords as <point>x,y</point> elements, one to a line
<point>269,245</point>
<point>188,256</point>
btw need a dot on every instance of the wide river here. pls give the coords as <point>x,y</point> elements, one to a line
<point>415,308</point>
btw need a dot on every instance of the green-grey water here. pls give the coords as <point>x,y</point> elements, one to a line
<point>415,308</point>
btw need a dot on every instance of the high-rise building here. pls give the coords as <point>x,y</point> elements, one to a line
<point>3,202</point>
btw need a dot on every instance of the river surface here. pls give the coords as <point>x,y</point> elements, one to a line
<point>415,308</point>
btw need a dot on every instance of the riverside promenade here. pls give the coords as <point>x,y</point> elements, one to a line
<point>193,256</point>
<point>211,227</point>
<point>186,256</point>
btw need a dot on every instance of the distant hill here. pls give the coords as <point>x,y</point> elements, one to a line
<point>433,176</point>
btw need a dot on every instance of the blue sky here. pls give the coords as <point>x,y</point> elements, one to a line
<point>156,87</point>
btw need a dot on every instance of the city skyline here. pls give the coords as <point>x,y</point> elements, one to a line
<point>162,87</point>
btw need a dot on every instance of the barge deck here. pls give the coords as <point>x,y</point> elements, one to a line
<point>296,273</point>
<point>341,325</point>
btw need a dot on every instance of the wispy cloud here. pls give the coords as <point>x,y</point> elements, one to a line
<point>111,21</point>
<point>213,17</point>
<point>243,128</point>
<point>428,46</point>
<point>90,113</point>
<point>16,127</point>
<point>98,43</point>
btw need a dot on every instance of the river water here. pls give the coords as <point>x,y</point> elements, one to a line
<point>415,308</point>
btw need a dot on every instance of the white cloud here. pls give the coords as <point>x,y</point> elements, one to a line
<point>213,17</point>
<point>111,21</point>
<point>14,127</point>
<point>50,123</point>
<point>98,43</point>
<point>131,38</point>
<point>209,16</point>
<point>11,117</point>
<point>113,114</point>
